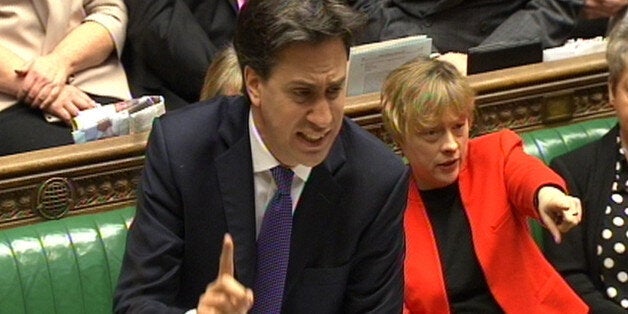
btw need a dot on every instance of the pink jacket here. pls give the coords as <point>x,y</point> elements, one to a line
<point>31,28</point>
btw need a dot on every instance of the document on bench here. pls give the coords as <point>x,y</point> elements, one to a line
<point>121,118</point>
<point>369,64</point>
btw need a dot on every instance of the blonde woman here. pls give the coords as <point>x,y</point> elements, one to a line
<point>468,248</point>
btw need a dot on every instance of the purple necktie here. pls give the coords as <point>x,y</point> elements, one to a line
<point>273,246</point>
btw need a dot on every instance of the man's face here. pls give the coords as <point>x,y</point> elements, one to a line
<point>436,154</point>
<point>298,110</point>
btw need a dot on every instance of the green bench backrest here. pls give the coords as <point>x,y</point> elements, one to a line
<point>64,266</point>
<point>549,143</point>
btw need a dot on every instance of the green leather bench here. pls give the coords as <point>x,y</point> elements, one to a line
<point>549,143</point>
<point>71,265</point>
<point>63,266</point>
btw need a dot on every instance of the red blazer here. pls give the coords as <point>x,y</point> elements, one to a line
<point>498,184</point>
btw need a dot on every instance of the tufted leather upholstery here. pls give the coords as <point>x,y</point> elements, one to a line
<point>549,143</point>
<point>64,266</point>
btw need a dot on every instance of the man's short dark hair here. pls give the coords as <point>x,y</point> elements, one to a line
<point>265,27</point>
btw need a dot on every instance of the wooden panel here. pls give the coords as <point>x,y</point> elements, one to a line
<point>69,180</point>
<point>96,176</point>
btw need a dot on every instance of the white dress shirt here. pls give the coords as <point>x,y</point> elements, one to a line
<point>265,186</point>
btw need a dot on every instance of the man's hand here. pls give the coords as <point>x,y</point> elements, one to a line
<point>225,294</point>
<point>559,212</point>
<point>595,9</point>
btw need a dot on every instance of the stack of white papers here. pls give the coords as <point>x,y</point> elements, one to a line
<point>574,48</point>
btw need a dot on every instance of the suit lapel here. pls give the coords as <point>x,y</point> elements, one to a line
<point>234,170</point>
<point>318,202</point>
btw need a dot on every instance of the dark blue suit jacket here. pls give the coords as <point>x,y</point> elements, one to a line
<point>347,239</point>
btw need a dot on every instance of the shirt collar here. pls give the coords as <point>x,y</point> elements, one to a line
<point>263,160</point>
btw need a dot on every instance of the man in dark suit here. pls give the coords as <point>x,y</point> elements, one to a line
<point>170,44</point>
<point>457,25</point>
<point>208,173</point>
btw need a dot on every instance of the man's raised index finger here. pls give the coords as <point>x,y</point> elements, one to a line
<point>226,257</point>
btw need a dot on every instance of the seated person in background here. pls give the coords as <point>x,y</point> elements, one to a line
<point>171,43</point>
<point>372,9</point>
<point>223,76</point>
<point>468,245</point>
<point>592,258</point>
<point>335,245</point>
<point>595,9</point>
<point>59,67</point>
<point>595,17</point>
<point>456,25</point>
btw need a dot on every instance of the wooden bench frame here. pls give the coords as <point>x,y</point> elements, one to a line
<point>101,175</point>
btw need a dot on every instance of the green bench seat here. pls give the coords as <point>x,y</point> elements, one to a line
<point>63,266</point>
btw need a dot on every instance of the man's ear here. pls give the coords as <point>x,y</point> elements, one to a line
<point>252,82</point>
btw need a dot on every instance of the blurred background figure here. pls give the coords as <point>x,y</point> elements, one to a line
<point>597,17</point>
<point>456,25</point>
<point>596,9</point>
<point>171,43</point>
<point>592,258</point>
<point>58,60</point>
<point>223,76</point>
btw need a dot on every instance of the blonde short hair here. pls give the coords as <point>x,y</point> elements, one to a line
<point>223,76</point>
<point>418,94</point>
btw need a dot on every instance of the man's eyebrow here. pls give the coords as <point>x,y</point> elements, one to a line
<point>305,83</point>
